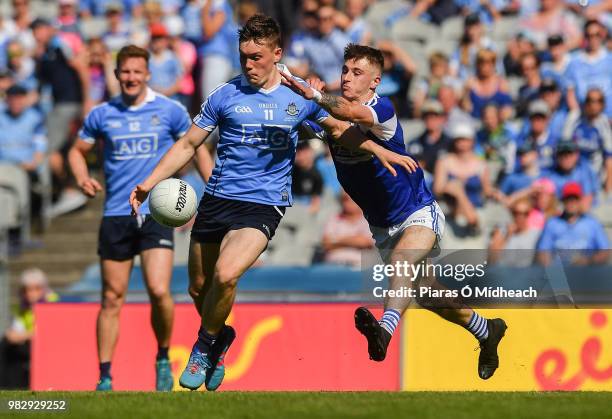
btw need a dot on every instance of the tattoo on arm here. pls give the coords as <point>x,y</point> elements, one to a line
<point>329,101</point>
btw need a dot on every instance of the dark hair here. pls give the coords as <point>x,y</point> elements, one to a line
<point>261,29</point>
<point>372,55</point>
<point>592,22</point>
<point>132,51</point>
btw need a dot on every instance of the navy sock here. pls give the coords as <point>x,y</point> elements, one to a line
<point>162,352</point>
<point>105,370</point>
<point>205,341</point>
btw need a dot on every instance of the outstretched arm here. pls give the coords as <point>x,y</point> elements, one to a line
<point>178,156</point>
<point>337,106</point>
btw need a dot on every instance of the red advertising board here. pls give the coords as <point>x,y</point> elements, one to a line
<point>278,347</point>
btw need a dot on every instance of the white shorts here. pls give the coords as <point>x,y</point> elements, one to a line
<point>430,216</point>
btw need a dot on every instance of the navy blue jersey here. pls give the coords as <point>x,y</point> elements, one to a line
<point>385,200</point>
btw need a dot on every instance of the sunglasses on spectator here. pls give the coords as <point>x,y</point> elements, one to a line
<point>595,100</point>
<point>592,34</point>
<point>520,213</point>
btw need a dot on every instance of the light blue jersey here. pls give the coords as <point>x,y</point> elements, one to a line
<point>135,139</point>
<point>21,136</point>
<point>258,138</point>
<point>385,200</point>
<point>584,73</point>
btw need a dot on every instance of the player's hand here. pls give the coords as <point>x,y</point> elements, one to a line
<point>299,88</point>
<point>316,83</point>
<point>90,187</point>
<point>137,197</point>
<point>389,158</point>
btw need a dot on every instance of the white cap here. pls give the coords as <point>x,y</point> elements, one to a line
<point>174,24</point>
<point>462,130</point>
<point>33,276</point>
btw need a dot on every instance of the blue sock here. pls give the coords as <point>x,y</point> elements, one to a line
<point>205,341</point>
<point>478,327</point>
<point>390,320</point>
<point>105,370</point>
<point>162,352</point>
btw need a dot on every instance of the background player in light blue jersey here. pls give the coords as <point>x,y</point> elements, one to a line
<point>249,188</point>
<point>404,218</point>
<point>136,129</point>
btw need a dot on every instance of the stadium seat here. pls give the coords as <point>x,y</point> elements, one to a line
<point>416,50</point>
<point>44,9</point>
<point>412,129</point>
<point>444,45</point>
<point>514,84</point>
<point>15,180</point>
<point>452,28</point>
<point>505,28</point>
<point>410,29</point>
<point>378,12</point>
<point>93,27</point>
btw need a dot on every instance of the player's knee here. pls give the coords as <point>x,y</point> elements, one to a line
<point>112,302</point>
<point>158,293</point>
<point>226,276</point>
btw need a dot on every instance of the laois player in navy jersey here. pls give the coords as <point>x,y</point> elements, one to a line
<point>405,220</point>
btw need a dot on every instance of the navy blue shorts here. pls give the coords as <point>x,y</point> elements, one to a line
<point>123,237</point>
<point>216,216</point>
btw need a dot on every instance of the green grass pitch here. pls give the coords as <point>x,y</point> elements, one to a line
<point>294,405</point>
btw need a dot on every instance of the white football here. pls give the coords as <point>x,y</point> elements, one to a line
<point>173,202</point>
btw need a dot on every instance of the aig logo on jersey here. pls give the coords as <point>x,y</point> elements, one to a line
<point>243,109</point>
<point>134,146</point>
<point>271,137</point>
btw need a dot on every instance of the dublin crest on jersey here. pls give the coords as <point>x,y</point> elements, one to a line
<point>292,109</point>
<point>155,120</point>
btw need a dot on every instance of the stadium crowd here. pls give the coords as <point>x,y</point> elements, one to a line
<point>505,103</point>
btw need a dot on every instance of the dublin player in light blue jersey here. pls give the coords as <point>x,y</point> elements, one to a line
<point>136,129</point>
<point>404,218</point>
<point>249,188</point>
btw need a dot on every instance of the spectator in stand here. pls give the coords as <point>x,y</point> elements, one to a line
<point>463,62</point>
<point>216,55</point>
<point>397,73</point>
<point>530,70</point>
<point>576,236</point>
<point>506,243</point>
<point>590,130</point>
<point>307,182</point>
<point>551,19</point>
<point>15,345</point>
<point>21,25</point>
<point>433,143</point>
<point>518,183</point>
<point>519,46</point>
<point>23,139</point>
<point>67,16</point>
<point>462,178</point>
<point>448,97</point>
<point>320,53</point>
<point>545,204</point>
<point>97,8</point>
<point>326,167</point>
<point>487,87</point>
<point>559,60</point>
<point>569,168</point>
<point>102,82</point>
<point>550,92</point>
<point>496,140</point>
<point>23,70</point>
<point>346,235</point>
<point>429,86</point>
<point>352,22</point>
<point>590,68</point>
<point>187,55</point>
<point>164,65</point>
<point>488,11</point>
<point>68,77</point>
<point>118,32</point>
<point>537,131</point>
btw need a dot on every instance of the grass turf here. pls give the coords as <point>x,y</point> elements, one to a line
<point>294,405</point>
